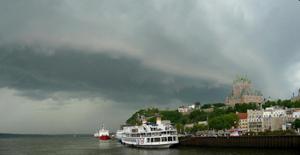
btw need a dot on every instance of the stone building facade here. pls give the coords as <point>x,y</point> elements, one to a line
<point>274,118</point>
<point>255,120</point>
<point>242,92</point>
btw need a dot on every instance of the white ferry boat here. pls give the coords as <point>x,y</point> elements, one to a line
<point>150,135</point>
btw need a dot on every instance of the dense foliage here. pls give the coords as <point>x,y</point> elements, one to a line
<point>148,113</point>
<point>219,114</point>
<point>245,107</point>
<point>198,115</point>
<point>216,105</point>
<point>225,121</point>
<point>282,103</point>
<point>196,127</point>
<point>296,124</point>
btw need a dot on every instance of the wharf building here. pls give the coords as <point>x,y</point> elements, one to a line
<point>271,119</point>
<point>243,121</point>
<point>255,120</point>
<point>242,92</point>
<point>274,118</point>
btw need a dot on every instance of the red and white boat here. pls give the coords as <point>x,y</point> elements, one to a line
<point>102,134</point>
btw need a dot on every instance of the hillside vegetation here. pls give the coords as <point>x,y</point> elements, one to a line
<point>218,116</point>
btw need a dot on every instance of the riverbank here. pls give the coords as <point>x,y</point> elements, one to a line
<point>243,141</point>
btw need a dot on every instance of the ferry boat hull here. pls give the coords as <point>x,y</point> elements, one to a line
<point>105,137</point>
<point>163,146</point>
<point>160,146</point>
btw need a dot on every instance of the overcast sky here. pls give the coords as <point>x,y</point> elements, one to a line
<point>68,65</point>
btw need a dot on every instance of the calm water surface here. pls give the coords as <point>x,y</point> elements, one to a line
<point>55,145</point>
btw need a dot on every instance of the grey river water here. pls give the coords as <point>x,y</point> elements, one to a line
<point>68,145</point>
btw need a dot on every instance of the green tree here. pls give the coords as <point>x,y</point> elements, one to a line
<point>206,106</point>
<point>244,107</point>
<point>218,105</point>
<point>296,124</point>
<point>179,127</point>
<point>198,115</point>
<point>174,116</point>
<point>148,113</point>
<point>225,121</point>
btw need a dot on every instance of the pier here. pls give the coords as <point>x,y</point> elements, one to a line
<point>243,141</point>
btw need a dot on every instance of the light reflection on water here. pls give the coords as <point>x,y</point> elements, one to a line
<point>91,146</point>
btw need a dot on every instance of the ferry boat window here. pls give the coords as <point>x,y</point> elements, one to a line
<point>156,139</point>
<point>164,139</point>
<point>148,140</point>
<point>169,138</point>
<point>149,134</point>
<point>174,138</point>
<point>152,140</point>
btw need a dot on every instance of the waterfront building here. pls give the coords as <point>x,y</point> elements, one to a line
<point>183,109</point>
<point>274,118</point>
<point>202,123</point>
<point>208,110</point>
<point>187,109</point>
<point>190,125</point>
<point>296,98</point>
<point>192,106</point>
<point>296,114</point>
<point>243,121</point>
<point>292,114</point>
<point>255,120</point>
<point>242,92</point>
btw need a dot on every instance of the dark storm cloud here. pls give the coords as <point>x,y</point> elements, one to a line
<point>121,79</point>
<point>118,56</point>
<point>200,40</point>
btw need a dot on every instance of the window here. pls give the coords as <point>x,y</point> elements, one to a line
<point>152,140</point>
<point>156,139</point>
<point>148,140</point>
<point>174,138</point>
<point>164,139</point>
<point>169,139</point>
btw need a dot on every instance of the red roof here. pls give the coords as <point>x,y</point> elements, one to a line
<point>242,115</point>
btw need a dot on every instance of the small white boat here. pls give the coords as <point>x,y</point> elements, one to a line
<point>150,135</point>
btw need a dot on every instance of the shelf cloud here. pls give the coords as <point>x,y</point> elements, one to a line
<point>70,57</point>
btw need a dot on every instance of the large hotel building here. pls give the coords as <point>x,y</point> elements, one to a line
<point>242,92</point>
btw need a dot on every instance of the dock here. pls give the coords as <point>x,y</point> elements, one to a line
<point>243,141</point>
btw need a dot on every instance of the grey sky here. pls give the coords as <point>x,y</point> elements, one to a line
<point>66,65</point>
